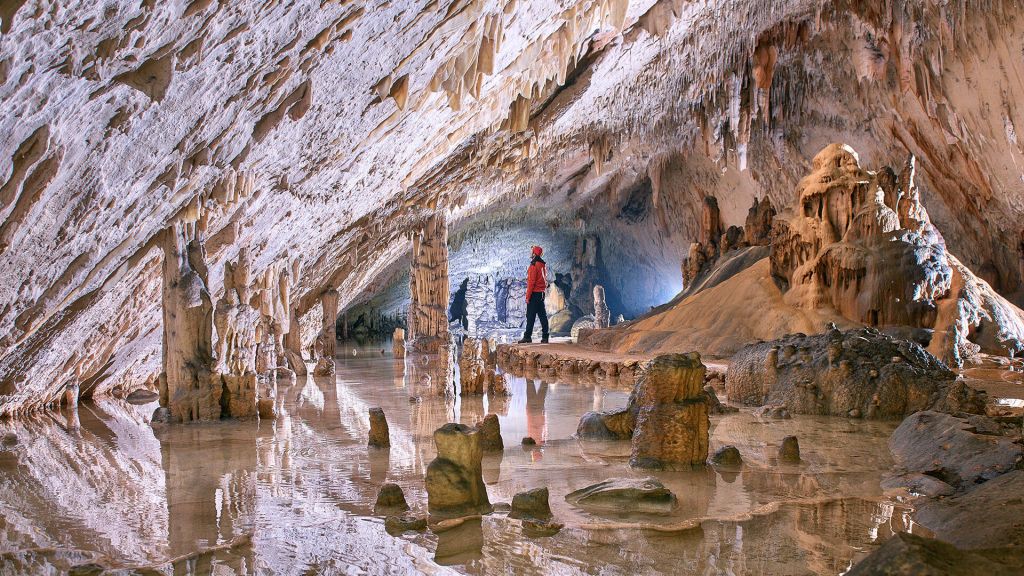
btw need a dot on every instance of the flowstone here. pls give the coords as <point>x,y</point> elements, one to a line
<point>857,373</point>
<point>645,495</point>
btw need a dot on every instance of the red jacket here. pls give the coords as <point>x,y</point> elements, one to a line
<point>535,277</point>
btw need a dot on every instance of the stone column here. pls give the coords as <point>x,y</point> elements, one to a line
<point>428,285</point>
<point>190,389</point>
<point>454,480</point>
<point>239,333</point>
<point>328,333</point>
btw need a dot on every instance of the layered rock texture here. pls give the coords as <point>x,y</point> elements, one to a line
<point>857,248</point>
<point>666,417</point>
<point>857,373</point>
<point>121,119</point>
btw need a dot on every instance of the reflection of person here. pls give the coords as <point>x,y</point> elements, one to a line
<point>536,418</point>
<point>536,283</point>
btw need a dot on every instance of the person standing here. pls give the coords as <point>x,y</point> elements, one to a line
<point>536,283</point>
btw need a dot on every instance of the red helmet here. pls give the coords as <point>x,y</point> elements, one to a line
<point>537,250</point>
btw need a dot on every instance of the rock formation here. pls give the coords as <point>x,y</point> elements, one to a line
<point>391,498</point>
<point>190,388</point>
<point>881,264</point>
<point>238,326</point>
<point>473,372</point>
<point>428,286</point>
<point>789,451</point>
<point>454,479</point>
<point>727,456</point>
<point>398,343</point>
<point>602,316</point>
<point>380,435</point>
<point>644,495</point>
<point>672,416</point>
<point>490,434</point>
<point>857,373</point>
<point>531,504</point>
<point>907,553</point>
<point>666,416</point>
<point>326,341</point>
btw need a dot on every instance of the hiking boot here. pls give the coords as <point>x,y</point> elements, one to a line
<point>544,340</point>
<point>525,341</point>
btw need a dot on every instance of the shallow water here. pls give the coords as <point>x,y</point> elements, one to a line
<point>295,496</point>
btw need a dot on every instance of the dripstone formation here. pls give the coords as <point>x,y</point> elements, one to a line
<point>666,416</point>
<point>454,479</point>
<point>189,385</point>
<point>428,286</point>
<point>862,243</point>
<point>857,373</point>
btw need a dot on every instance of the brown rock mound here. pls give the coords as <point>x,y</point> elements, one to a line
<point>854,373</point>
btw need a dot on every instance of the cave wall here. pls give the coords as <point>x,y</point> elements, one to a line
<point>122,118</point>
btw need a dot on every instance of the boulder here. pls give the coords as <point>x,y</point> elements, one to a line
<point>395,525</point>
<point>454,479</point>
<point>789,451</point>
<point>727,456</point>
<point>490,434</point>
<point>911,555</point>
<point>380,435</point>
<point>391,497</point>
<point>531,504</point>
<point>986,516</point>
<point>950,448</point>
<point>863,371</point>
<point>644,495</point>
<point>672,420</point>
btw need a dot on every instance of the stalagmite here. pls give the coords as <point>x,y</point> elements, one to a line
<point>190,388</point>
<point>380,435</point>
<point>327,338</point>
<point>239,332</point>
<point>490,434</point>
<point>602,315</point>
<point>428,286</point>
<point>472,367</point>
<point>672,421</point>
<point>398,343</point>
<point>454,479</point>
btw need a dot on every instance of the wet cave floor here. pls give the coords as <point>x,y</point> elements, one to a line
<point>296,495</point>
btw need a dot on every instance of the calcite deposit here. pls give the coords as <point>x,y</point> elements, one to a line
<point>454,479</point>
<point>857,373</point>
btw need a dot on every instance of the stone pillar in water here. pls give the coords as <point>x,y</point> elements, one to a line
<point>672,417</point>
<point>398,343</point>
<point>190,388</point>
<point>328,336</point>
<point>454,480</point>
<point>428,285</point>
<point>239,333</point>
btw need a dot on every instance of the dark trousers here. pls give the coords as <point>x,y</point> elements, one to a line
<point>535,308</point>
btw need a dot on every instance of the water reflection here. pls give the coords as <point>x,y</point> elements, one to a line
<point>296,495</point>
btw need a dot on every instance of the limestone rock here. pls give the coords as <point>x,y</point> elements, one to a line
<point>666,416</point>
<point>672,420</point>
<point>380,435</point>
<point>396,525</point>
<point>645,495</point>
<point>454,479</point>
<point>602,316</point>
<point>836,372</point>
<point>727,456</point>
<point>472,367</point>
<point>428,285</point>
<point>906,554</point>
<point>391,497</point>
<point>398,343</point>
<point>789,451</point>
<point>949,448</point>
<point>531,504</point>
<point>328,337</point>
<point>986,516</point>
<point>585,322</point>
<point>189,385</point>
<point>490,434</point>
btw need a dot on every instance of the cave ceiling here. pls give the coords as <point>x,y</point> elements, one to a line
<point>320,131</point>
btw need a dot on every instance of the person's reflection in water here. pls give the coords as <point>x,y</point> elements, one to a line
<point>536,416</point>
